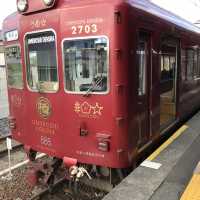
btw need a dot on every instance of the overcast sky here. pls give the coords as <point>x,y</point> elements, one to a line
<point>7,7</point>
<point>189,9</point>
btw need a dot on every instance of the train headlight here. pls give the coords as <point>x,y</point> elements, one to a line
<point>22,5</point>
<point>48,2</point>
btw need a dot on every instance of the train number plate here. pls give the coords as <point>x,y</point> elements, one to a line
<point>87,29</point>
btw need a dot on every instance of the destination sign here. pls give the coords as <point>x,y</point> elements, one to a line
<point>11,36</point>
<point>43,39</point>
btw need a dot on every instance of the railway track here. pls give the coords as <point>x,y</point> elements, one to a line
<point>59,191</point>
<point>4,134</point>
<point>3,138</point>
<point>50,193</point>
<point>4,129</point>
<point>17,154</point>
<point>15,148</point>
<point>3,147</point>
<point>62,191</point>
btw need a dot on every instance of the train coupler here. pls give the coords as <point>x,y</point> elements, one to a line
<point>77,173</point>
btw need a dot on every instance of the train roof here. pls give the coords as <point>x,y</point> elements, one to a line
<point>151,8</point>
<point>148,6</point>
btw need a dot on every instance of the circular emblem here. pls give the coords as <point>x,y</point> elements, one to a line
<point>44,107</point>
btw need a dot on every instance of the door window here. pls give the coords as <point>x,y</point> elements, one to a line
<point>142,66</point>
<point>168,78</point>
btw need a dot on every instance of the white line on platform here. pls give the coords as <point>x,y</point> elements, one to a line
<point>150,164</point>
<point>20,165</point>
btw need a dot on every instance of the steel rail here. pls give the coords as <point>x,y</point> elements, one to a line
<point>15,148</point>
<point>47,191</point>
<point>2,138</point>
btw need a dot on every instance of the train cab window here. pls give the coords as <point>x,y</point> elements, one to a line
<point>41,61</point>
<point>14,67</point>
<point>142,61</point>
<point>86,65</point>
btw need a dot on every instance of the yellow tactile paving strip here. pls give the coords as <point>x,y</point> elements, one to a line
<point>176,135</point>
<point>192,192</point>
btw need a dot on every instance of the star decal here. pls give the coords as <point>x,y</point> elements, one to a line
<point>97,109</point>
<point>88,110</point>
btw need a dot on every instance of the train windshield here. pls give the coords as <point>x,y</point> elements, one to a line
<point>86,65</point>
<point>41,61</point>
<point>14,67</point>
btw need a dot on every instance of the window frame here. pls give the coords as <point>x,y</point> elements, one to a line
<point>15,45</point>
<point>108,64</point>
<point>26,56</point>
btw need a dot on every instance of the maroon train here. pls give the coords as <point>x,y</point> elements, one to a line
<point>93,83</point>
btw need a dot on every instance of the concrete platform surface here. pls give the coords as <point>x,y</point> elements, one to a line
<point>174,166</point>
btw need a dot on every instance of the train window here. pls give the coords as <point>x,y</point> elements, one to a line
<point>41,61</point>
<point>183,64</point>
<point>14,67</point>
<point>198,64</point>
<point>195,75</point>
<point>86,65</point>
<point>142,61</point>
<point>168,62</point>
<point>190,63</point>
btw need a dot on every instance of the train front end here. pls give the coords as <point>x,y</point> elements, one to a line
<point>67,95</point>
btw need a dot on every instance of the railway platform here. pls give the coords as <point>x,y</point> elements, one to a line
<point>169,173</point>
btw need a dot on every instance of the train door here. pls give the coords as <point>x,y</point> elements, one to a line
<point>168,78</point>
<point>144,84</point>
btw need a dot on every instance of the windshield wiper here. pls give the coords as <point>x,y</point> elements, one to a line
<point>96,84</point>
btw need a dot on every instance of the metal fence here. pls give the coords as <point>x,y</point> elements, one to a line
<point>3,94</point>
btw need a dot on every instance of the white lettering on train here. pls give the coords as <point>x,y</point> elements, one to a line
<point>85,21</point>
<point>46,141</point>
<point>84,29</point>
<point>44,39</point>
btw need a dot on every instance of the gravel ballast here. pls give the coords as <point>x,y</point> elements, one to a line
<point>17,188</point>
